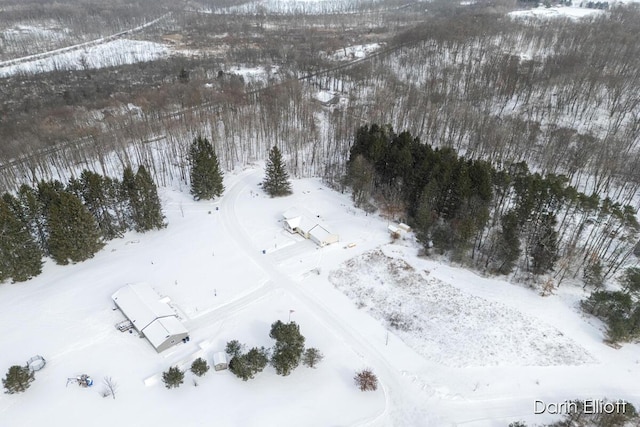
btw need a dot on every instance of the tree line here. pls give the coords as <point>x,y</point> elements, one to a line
<point>70,223</point>
<point>498,218</point>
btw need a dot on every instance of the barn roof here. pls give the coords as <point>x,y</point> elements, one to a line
<point>141,304</point>
<point>320,233</point>
<point>148,314</point>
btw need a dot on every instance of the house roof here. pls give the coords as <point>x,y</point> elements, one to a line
<point>159,330</point>
<point>298,218</point>
<point>219,357</point>
<point>320,233</point>
<point>148,314</point>
<point>141,304</point>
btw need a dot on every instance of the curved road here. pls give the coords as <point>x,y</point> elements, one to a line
<point>405,403</point>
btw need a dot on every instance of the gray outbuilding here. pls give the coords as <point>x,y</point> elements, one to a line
<point>150,316</point>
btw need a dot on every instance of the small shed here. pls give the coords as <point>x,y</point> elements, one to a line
<point>398,229</point>
<point>152,317</point>
<point>220,361</point>
<point>321,236</point>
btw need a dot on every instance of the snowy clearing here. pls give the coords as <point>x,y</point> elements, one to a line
<point>354,52</point>
<point>439,320</point>
<point>109,54</point>
<point>296,7</point>
<point>542,12</point>
<point>253,74</point>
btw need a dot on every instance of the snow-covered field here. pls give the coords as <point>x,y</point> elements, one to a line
<point>308,7</point>
<point>478,353</point>
<point>572,12</point>
<point>354,52</point>
<point>438,320</point>
<point>108,54</point>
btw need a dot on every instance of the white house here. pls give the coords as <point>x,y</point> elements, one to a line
<point>151,317</point>
<point>298,221</point>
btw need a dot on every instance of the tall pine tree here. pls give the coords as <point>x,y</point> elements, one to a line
<point>73,232</point>
<point>206,177</point>
<point>34,215</point>
<point>98,196</point>
<point>150,213</point>
<point>20,256</point>
<point>276,182</point>
<point>129,191</point>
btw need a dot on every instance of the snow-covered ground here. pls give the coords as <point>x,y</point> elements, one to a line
<point>354,52</point>
<point>309,7</point>
<point>572,12</point>
<point>254,74</point>
<point>438,320</point>
<point>230,269</point>
<point>108,54</point>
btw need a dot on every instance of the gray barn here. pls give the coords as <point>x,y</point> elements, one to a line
<point>151,317</point>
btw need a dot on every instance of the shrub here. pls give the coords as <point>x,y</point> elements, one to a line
<point>366,380</point>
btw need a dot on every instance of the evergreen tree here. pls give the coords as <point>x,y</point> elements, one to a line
<point>544,246</point>
<point>246,366</point>
<point>312,356</point>
<point>240,368</point>
<point>289,347</point>
<point>360,177</point>
<point>18,379</point>
<point>234,348</point>
<point>276,181</point>
<point>199,367</point>
<point>144,210</point>
<point>98,196</point>
<point>592,275</point>
<point>257,359</point>
<point>33,215</point>
<point>129,191</point>
<point>206,177</point>
<point>73,233</point>
<point>150,209</point>
<point>507,244</point>
<point>631,280</point>
<point>173,377</point>
<point>20,256</point>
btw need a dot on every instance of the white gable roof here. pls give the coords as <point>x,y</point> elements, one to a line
<point>219,357</point>
<point>160,330</point>
<point>299,218</point>
<point>320,233</point>
<point>141,304</point>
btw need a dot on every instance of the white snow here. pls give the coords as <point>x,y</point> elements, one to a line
<point>354,52</point>
<point>477,352</point>
<point>572,12</point>
<point>438,320</point>
<point>253,74</point>
<point>297,7</point>
<point>324,95</point>
<point>109,54</point>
